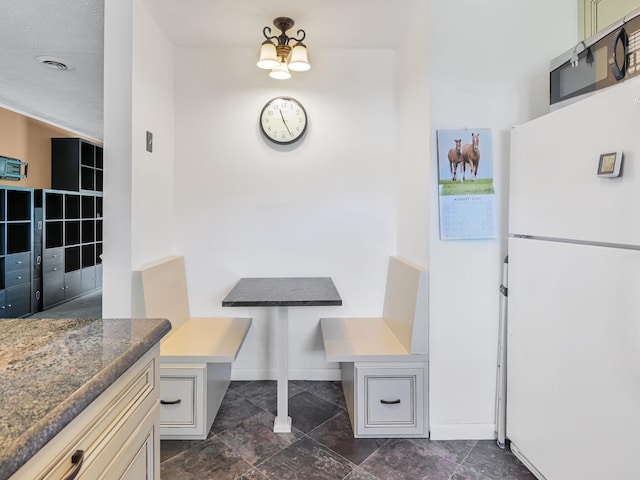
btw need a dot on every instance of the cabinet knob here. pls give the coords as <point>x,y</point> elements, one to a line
<point>19,277</point>
<point>19,262</point>
<point>390,402</point>
<point>55,269</point>
<point>9,305</point>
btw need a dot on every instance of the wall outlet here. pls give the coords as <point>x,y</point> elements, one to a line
<point>149,141</point>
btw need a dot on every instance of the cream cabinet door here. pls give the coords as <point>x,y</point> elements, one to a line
<point>594,15</point>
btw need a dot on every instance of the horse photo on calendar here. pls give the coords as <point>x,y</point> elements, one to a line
<point>465,162</point>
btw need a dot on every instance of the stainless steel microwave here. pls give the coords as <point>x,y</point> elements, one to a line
<point>601,61</point>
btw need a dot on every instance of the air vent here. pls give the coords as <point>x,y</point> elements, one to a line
<point>54,63</point>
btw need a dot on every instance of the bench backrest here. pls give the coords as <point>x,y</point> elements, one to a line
<point>163,287</point>
<point>406,304</point>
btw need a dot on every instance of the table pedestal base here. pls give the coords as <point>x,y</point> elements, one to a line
<point>282,423</point>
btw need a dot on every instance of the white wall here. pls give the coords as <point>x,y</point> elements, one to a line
<point>138,185</point>
<point>322,207</point>
<point>488,68</point>
<point>412,168</point>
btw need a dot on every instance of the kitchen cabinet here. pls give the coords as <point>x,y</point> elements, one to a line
<point>595,15</point>
<point>115,437</point>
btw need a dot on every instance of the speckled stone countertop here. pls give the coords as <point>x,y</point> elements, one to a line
<point>52,369</point>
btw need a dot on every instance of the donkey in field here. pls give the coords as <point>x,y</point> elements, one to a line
<point>455,158</point>
<point>471,156</point>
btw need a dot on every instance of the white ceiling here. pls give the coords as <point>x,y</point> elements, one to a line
<point>72,30</point>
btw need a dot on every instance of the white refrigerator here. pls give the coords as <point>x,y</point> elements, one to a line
<point>573,341</point>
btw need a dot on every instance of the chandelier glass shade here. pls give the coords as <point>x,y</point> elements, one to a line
<point>278,55</point>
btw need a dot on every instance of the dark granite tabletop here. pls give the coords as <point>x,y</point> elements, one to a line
<point>52,369</point>
<point>283,292</point>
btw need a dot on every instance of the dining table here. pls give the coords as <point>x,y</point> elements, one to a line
<point>281,293</point>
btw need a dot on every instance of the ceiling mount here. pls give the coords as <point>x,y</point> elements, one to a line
<point>280,57</point>
<point>54,63</point>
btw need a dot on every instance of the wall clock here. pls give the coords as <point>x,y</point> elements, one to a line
<point>283,120</point>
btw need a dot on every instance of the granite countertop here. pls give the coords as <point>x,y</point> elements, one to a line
<point>288,292</point>
<point>52,369</point>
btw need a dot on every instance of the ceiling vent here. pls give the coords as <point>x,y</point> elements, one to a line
<point>54,63</point>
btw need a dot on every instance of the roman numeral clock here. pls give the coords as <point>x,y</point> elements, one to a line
<point>283,120</point>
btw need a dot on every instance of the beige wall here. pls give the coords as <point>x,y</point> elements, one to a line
<point>29,140</point>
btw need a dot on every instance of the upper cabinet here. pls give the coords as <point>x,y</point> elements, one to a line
<point>76,165</point>
<point>594,15</point>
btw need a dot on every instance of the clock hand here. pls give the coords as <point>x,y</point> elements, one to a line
<point>284,121</point>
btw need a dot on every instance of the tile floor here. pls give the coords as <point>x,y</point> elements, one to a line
<point>242,446</point>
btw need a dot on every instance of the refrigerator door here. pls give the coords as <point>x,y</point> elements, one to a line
<point>573,386</point>
<point>555,191</point>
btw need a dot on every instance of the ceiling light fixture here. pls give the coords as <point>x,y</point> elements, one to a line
<point>280,57</point>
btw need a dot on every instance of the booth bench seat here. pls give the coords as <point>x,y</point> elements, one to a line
<point>384,360</point>
<point>195,357</point>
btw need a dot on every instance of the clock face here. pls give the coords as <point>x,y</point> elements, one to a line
<point>283,120</point>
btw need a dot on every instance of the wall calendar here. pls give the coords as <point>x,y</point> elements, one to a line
<point>465,184</point>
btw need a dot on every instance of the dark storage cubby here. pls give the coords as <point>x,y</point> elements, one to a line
<point>18,237</point>
<point>18,203</point>
<point>72,233</point>
<point>87,178</point>
<point>87,152</point>
<point>98,184</point>
<point>88,255</point>
<point>88,231</point>
<point>53,209</point>
<point>98,253</point>
<point>71,206</point>
<point>2,205</point>
<point>88,207</point>
<point>2,284</point>
<point>53,234</point>
<point>99,213</point>
<point>99,158</point>
<point>71,259</point>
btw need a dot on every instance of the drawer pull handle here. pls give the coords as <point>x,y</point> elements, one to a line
<point>77,459</point>
<point>390,402</point>
<point>170,402</point>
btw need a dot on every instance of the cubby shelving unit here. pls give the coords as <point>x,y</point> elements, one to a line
<point>16,250</point>
<point>76,165</point>
<point>72,244</point>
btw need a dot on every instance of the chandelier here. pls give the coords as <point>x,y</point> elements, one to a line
<point>280,57</point>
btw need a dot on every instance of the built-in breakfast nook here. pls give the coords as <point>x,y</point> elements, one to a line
<point>206,165</point>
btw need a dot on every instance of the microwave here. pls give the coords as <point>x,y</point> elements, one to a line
<point>599,62</point>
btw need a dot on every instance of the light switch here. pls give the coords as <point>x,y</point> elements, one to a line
<point>149,141</point>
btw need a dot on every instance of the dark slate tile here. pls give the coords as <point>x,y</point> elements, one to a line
<point>494,463</point>
<point>455,451</point>
<point>254,439</point>
<point>171,448</point>
<point>235,384</point>
<point>306,459</point>
<point>359,474</point>
<point>264,393</point>
<point>464,474</point>
<point>329,391</point>
<point>308,411</point>
<point>254,474</point>
<point>234,410</point>
<point>401,459</point>
<point>336,434</point>
<point>209,460</point>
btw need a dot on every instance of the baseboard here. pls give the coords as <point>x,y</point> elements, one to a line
<point>313,374</point>
<point>463,431</point>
